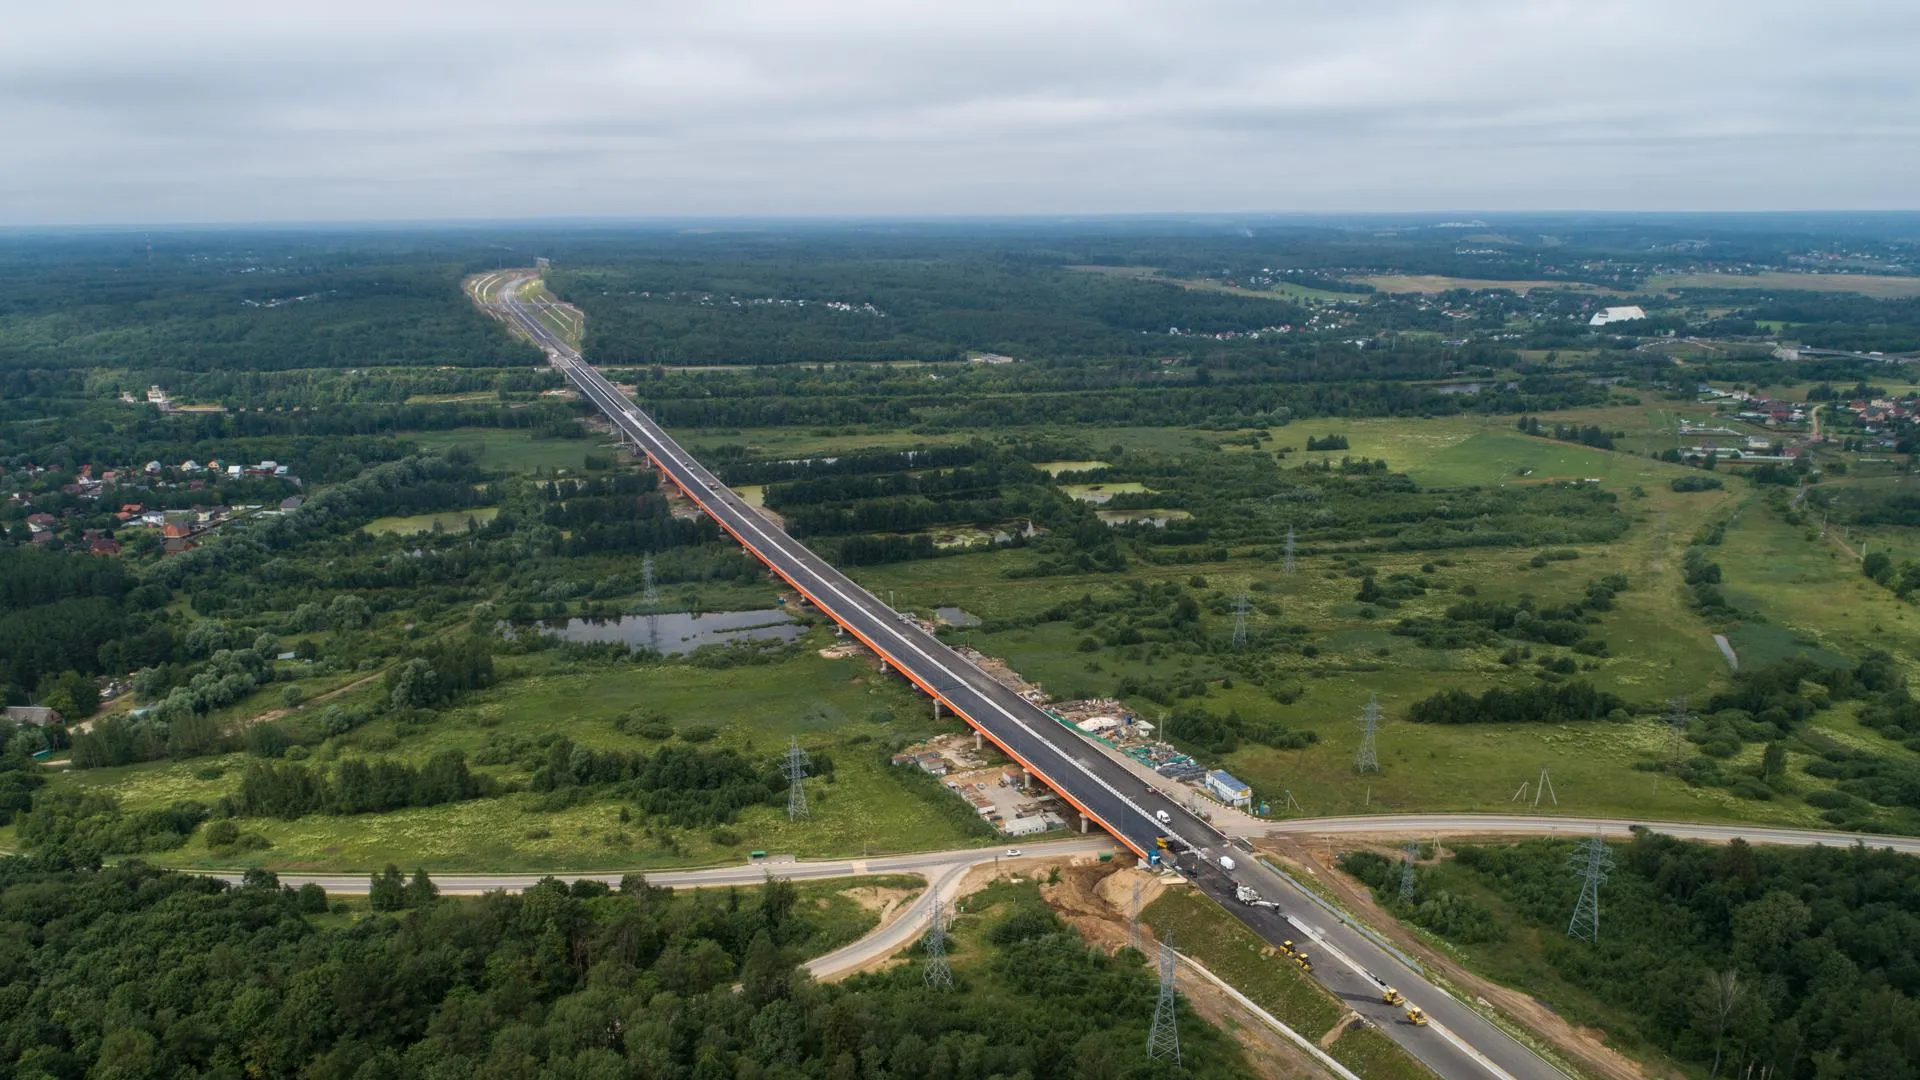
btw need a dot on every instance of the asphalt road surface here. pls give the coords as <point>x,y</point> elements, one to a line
<point>748,873</point>
<point>1458,1045</point>
<point>1417,825</point>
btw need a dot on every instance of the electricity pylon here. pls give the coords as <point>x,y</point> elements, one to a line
<point>649,592</point>
<point>1133,922</point>
<point>795,768</point>
<point>1406,872</point>
<point>1591,860</point>
<point>1164,1040</point>
<point>1286,567</point>
<point>938,975</point>
<point>1240,621</point>
<point>1367,758</point>
<point>1678,718</point>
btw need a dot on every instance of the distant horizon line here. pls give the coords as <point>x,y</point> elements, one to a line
<point>1222,217</point>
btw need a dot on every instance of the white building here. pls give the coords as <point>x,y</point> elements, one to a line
<point>1617,314</point>
<point>1222,785</point>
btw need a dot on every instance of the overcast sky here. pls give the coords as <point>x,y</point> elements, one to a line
<point>266,110</point>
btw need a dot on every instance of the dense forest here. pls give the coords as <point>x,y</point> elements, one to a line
<point>128,971</point>
<point>1801,961</point>
<point>197,302</point>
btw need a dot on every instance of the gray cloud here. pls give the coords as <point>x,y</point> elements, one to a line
<point>216,110</point>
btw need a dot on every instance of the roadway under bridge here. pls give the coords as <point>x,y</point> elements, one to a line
<point>1460,1044</point>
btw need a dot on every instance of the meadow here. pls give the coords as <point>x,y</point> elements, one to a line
<point>446,521</point>
<point>513,449</point>
<point>1804,596</point>
<point>842,708</point>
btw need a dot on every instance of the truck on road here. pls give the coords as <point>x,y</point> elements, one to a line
<point>1251,897</point>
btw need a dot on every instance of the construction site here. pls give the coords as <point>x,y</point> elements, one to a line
<point>1002,794</point>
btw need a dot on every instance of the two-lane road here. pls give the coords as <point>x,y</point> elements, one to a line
<point>1460,1045</point>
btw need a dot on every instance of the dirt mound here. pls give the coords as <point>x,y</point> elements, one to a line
<point>1117,889</point>
<point>879,898</point>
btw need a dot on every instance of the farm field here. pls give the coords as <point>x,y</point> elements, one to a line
<point>1436,283</point>
<point>1876,285</point>
<point>782,442</point>
<point>1283,290</point>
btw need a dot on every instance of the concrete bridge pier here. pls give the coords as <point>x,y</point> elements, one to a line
<point>936,708</point>
<point>978,742</point>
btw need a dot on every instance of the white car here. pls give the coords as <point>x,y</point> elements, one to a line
<point>1013,852</point>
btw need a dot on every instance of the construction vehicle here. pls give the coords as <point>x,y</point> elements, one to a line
<point>1392,997</point>
<point>1249,896</point>
<point>1286,946</point>
<point>1306,965</point>
<point>1416,1017</point>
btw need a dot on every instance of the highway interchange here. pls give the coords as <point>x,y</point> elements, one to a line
<point>1459,1045</point>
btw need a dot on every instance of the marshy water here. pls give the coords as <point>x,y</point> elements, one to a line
<point>675,633</point>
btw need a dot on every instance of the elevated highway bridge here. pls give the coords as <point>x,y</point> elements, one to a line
<point>1460,1044</point>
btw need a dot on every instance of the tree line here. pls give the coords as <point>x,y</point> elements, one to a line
<point>1797,962</point>
<point>577,980</point>
<point>1545,703</point>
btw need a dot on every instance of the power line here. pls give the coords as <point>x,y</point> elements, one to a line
<point>1678,719</point>
<point>938,974</point>
<point>1591,860</point>
<point>1367,758</point>
<point>1164,1040</point>
<point>795,768</point>
<point>1240,621</point>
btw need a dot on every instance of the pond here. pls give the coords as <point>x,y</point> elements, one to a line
<point>1469,387</point>
<point>676,633</point>
<point>1055,468</point>
<point>954,616</point>
<point>1100,493</point>
<point>1156,518</point>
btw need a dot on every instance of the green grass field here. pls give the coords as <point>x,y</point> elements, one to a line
<point>512,449</point>
<point>447,521</point>
<point>1810,599</point>
<point>837,707</point>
